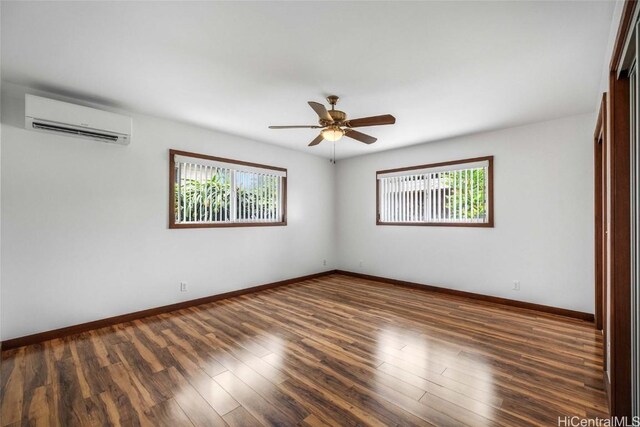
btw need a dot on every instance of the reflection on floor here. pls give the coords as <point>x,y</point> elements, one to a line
<point>335,350</point>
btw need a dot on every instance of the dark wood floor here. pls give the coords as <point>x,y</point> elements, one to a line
<point>335,350</point>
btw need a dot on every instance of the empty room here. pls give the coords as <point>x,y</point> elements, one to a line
<point>319,213</point>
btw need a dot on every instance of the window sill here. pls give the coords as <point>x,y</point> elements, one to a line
<point>440,224</point>
<point>229,224</point>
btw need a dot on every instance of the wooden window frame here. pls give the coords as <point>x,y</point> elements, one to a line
<point>172,215</point>
<point>488,224</point>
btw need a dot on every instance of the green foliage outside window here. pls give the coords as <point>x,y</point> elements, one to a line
<point>210,200</point>
<point>469,186</point>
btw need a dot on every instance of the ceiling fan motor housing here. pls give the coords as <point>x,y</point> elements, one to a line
<point>337,115</point>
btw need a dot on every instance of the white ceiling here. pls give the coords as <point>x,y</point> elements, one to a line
<point>442,68</point>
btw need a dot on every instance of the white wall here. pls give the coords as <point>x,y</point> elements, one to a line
<point>608,53</point>
<point>86,224</point>
<point>543,235</point>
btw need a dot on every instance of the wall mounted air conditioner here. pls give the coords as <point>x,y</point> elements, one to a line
<point>63,118</point>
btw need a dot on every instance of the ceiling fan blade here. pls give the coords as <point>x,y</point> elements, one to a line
<point>386,119</point>
<point>320,110</point>
<point>316,141</point>
<point>296,127</point>
<point>359,136</point>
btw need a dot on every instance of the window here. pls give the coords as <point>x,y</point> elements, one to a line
<point>458,193</point>
<point>208,191</point>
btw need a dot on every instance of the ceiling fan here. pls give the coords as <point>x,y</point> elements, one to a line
<point>334,123</point>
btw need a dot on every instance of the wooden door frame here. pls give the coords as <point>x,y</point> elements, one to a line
<point>620,247</point>
<point>599,155</point>
<point>618,140</point>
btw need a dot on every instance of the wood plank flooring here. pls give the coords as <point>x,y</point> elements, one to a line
<point>330,351</point>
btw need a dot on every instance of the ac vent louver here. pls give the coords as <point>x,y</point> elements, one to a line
<point>76,132</point>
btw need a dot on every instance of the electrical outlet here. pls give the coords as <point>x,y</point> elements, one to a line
<point>324,262</point>
<point>183,286</point>
<point>516,285</point>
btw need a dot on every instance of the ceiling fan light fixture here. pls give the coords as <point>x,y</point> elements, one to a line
<point>332,133</point>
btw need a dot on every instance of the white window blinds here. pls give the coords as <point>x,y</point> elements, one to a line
<point>455,193</point>
<point>213,191</point>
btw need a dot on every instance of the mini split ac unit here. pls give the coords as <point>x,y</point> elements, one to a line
<point>63,118</point>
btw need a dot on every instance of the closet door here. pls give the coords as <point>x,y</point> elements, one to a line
<point>635,231</point>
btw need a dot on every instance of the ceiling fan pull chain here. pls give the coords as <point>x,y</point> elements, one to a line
<point>334,152</point>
